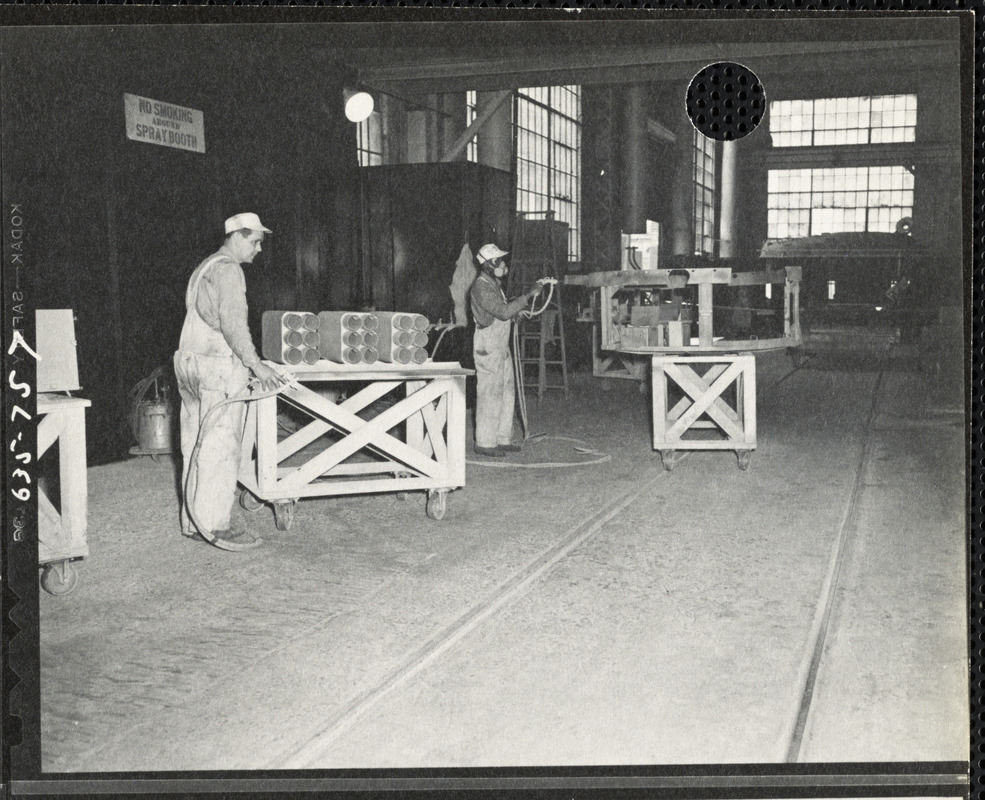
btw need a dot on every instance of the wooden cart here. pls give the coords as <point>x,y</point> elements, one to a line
<point>704,387</point>
<point>400,428</point>
<point>704,381</point>
<point>62,528</point>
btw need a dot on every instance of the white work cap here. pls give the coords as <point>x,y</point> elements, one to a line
<point>248,220</point>
<point>488,252</point>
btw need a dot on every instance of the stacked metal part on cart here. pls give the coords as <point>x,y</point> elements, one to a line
<point>345,337</point>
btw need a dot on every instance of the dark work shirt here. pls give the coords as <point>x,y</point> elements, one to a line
<point>489,302</point>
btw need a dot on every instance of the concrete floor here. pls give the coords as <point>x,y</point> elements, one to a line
<point>609,614</point>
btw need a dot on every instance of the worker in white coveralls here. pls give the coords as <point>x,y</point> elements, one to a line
<point>214,360</point>
<point>495,387</point>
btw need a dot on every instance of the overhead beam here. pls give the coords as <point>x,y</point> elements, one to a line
<point>641,64</point>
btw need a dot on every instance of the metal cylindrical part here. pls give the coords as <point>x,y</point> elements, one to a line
<point>352,355</point>
<point>370,322</point>
<point>283,331</point>
<point>403,338</point>
<point>401,355</point>
<point>421,322</point>
<point>352,339</point>
<point>420,339</point>
<point>311,356</point>
<point>403,322</point>
<point>293,355</point>
<point>371,338</point>
<point>293,321</point>
<point>370,355</point>
<point>420,355</point>
<point>339,332</point>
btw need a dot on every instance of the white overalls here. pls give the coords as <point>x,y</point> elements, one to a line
<point>208,371</point>
<point>495,388</point>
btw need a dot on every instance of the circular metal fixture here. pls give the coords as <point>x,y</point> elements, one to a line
<point>726,101</point>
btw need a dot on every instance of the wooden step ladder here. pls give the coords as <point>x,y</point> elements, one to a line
<point>538,244</point>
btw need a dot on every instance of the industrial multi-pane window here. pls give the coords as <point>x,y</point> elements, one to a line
<point>472,153</point>
<point>808,202</point>
<point>369,141</point>
<point>843,120</point>
<point>704,195</point>
<point>548,151</point>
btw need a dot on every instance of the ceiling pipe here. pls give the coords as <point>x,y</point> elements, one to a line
<point>482,117</point>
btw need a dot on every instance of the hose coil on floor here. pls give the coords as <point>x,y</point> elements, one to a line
<point>580,447</point>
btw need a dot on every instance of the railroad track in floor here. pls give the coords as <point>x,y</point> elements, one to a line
<point>820,628</point>
<point>309,752</point>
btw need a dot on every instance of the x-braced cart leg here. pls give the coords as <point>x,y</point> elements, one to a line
<point>59,577</point>
<point>284,513</point>
<point>437,503</point>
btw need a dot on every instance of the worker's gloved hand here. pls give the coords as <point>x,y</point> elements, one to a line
<point>269,378</point>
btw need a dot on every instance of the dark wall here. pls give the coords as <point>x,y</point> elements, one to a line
<point>116,226</point>
<point>601,156</point>
<point>607,168</point>
<point>419,216</point>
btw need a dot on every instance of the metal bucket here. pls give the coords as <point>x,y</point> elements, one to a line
<point>154,426</point>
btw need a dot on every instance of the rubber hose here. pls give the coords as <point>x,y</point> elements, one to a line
<point>518,366</point>
<point>193,469</point>
<point>601,458</point>
<point>441,336</point>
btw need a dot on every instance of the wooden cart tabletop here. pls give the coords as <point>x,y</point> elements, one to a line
<point>380,371</point>
<point>48,402</point>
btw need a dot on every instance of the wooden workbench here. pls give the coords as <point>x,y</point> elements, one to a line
<point>615,332</point>
<point>348,446</point>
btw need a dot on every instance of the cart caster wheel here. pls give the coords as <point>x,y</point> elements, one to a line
<point>437,505</point>
<point>745,456</point>
<point>284,514</point>
<point>59,579</point>
<point>250,501</point>
<point>669,459</point>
